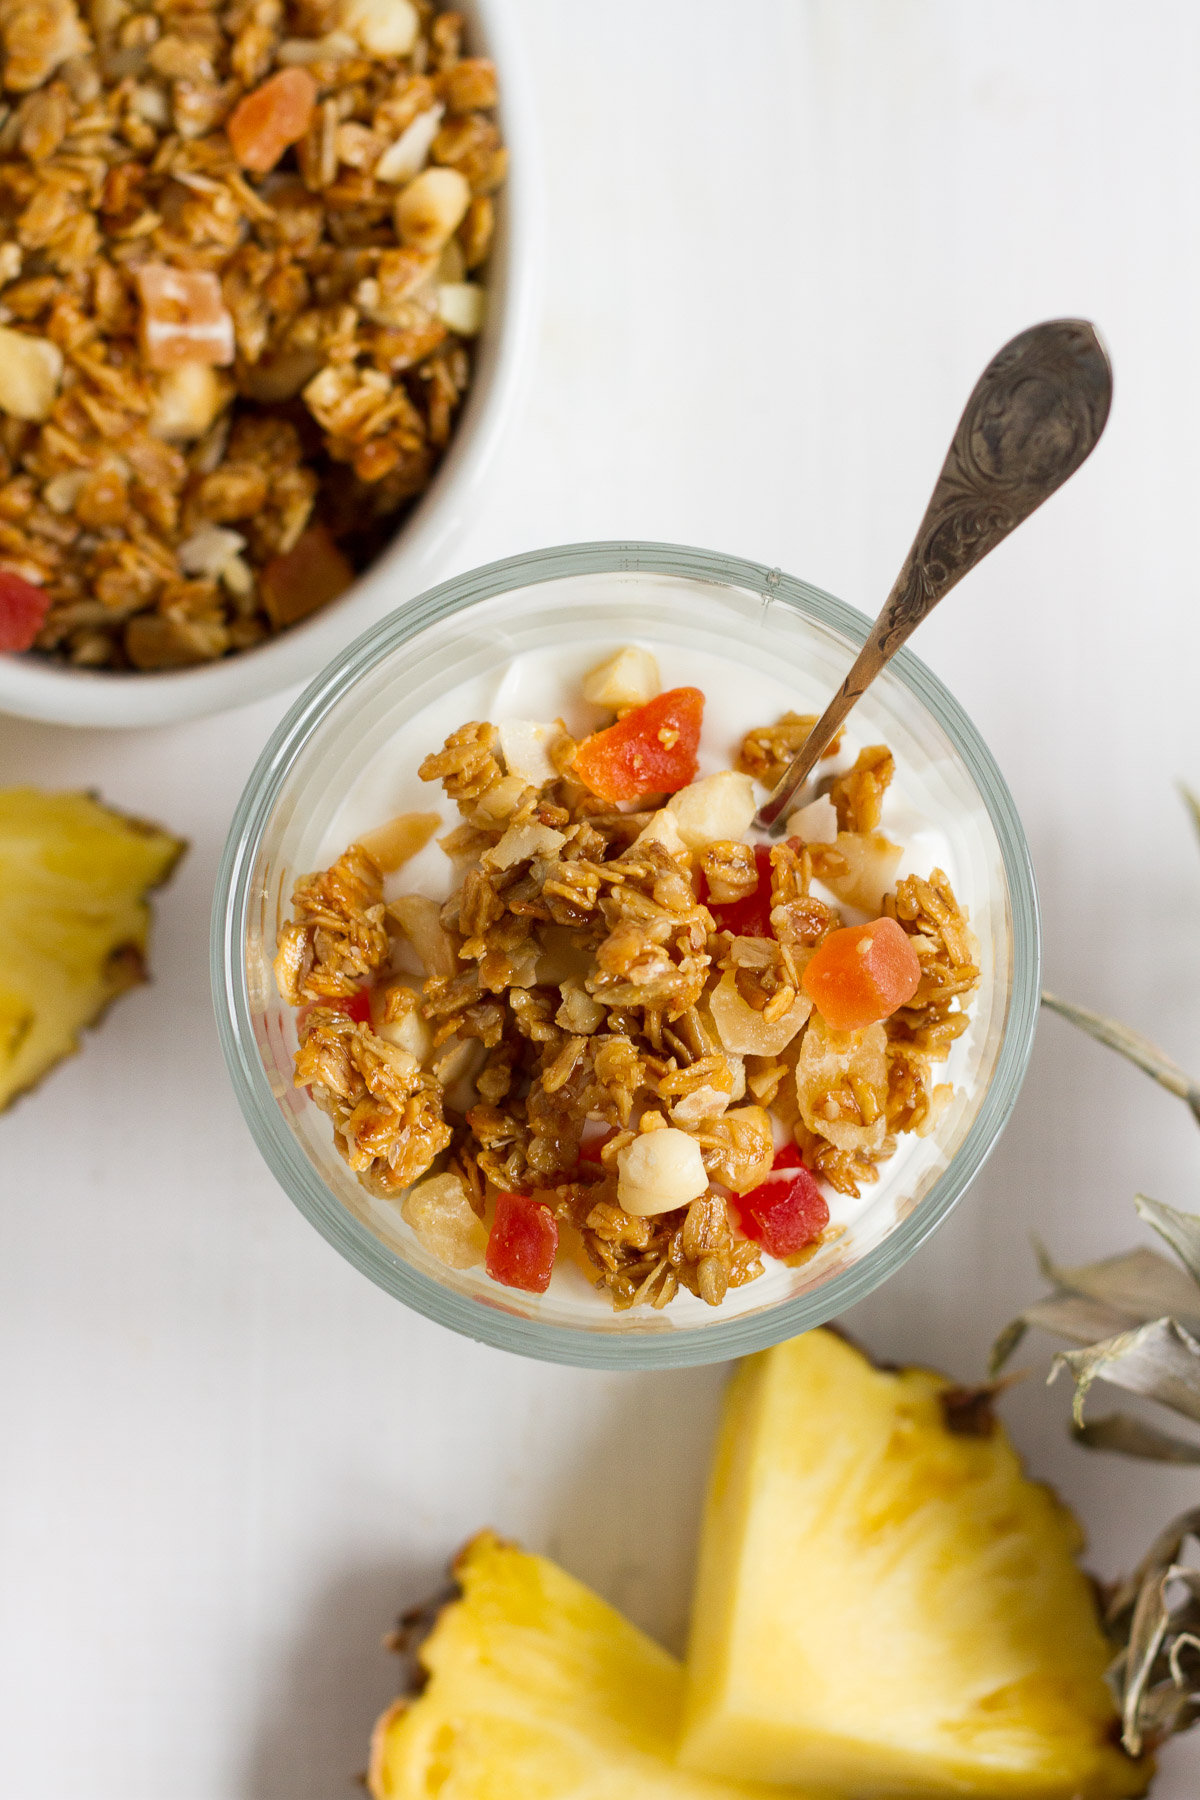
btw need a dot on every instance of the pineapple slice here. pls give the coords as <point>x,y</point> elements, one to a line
<point>537,1691</point>
<point>885,1604</point>
<point>73,921</point>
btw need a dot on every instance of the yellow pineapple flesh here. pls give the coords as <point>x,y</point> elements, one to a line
<point>886,1605</point>
<point>537,1690</point>
<point>74,921</point>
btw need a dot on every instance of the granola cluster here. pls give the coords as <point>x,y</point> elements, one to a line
<point>240,272</point>
<point>591,1032</point>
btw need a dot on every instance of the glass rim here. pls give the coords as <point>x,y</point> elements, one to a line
<point>494,1325</point>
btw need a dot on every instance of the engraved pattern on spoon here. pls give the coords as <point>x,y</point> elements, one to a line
<point>1035,414</point>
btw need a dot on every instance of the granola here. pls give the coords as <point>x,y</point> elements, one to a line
<point>242,254</point>
<point>640,1040</point>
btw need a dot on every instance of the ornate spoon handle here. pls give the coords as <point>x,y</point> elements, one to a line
<point>1035,415</point>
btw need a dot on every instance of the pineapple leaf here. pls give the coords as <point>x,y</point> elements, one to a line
<point>1146,1634</point>
<point>1159,1361</point>
<point>1181,1230</point>
<point>1005,1344</point>
<point>1079,1318</point>
<point>1156,1693</point>
<point>1127,1436</point>
<point>1138,1285</point>
<point>1162,1554</point>
<point>1101,1300</point>
<point>1186,1640</point>
<point>1130,1044</point>
<point>1073,1316</point>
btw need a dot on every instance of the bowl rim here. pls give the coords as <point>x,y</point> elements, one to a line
<point>720,1340</point>
<point>35,689</point>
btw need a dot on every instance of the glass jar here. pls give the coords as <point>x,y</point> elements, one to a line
<point>432,661</point>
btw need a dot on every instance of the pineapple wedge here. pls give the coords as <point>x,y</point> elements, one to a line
<point>886,1605</point>
<point>537,1691</point>
<point>73,921</point>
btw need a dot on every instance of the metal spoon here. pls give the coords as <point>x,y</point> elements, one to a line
<point>1035,415</point>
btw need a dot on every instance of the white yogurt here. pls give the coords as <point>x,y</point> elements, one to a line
<point>545,685</point>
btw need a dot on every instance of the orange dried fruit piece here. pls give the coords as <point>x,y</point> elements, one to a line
<point>305,578</point>
<point>184,317</point>
<point>652,750</point>
<point>271,117</point>
<point>861,974</point>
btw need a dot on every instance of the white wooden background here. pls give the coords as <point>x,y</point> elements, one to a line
<point>785,237</point>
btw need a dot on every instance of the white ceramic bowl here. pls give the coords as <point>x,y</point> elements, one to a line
<point>37,689</point>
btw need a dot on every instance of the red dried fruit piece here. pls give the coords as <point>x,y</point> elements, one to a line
<point>356,1006</point>
<point>184,317</point>
<point>269,118</point>
<point>306,577</point>
<point>590,1151</point>
<point>787,1212</point>
<point>861,974</point>
<point>23,609</point>
<point>750,917</point>
<point>652,750</point>
<point>522,1244</point>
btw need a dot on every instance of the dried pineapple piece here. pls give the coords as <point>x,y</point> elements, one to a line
<point>536,1688</point>
<point>886,1605</point>
<point>871,862</point>
<point>74,921</point>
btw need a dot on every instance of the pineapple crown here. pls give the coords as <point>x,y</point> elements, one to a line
<point>1135,1322</point>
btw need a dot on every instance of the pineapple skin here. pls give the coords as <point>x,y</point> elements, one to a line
<point>74,921</point>
<point>888,1608</point>
<point>537,1690</point>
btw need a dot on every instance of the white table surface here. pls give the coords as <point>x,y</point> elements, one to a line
<point>785,237</point>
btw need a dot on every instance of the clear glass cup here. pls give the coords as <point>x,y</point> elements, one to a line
<point>574,602</point>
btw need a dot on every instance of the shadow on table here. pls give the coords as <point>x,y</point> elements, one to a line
<point>312,1741</point>
<point>627,1516</point>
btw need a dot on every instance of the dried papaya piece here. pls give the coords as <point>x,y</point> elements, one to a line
<point>861,974</point>
<point>652,750</point>
<point>269,118</point>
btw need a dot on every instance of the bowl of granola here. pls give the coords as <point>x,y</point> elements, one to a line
<point>544,1037</point>
<point>267,283</point>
